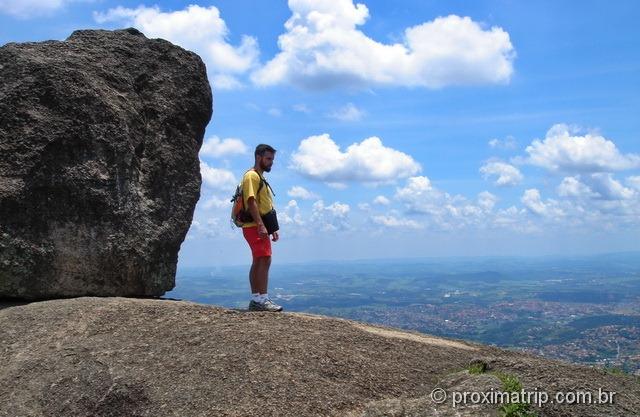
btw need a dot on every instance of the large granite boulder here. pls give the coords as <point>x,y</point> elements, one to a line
<point>99,170</point>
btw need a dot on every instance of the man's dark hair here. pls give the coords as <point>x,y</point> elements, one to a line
<point>262,148</point>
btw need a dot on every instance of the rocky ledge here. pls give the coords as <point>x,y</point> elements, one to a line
<point>145,357</point>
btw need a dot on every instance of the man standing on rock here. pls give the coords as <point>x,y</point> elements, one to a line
<point>257,195</point>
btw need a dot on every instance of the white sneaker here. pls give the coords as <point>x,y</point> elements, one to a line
<point>267,305</point>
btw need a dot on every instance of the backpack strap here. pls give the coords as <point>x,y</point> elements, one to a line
<point>262,183</point>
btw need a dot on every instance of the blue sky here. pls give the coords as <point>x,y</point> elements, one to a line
<point>405,128</point>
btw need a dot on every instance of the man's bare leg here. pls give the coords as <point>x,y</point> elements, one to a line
<point>252,277</point>
<point>259,277</point>
<point>259,274</point>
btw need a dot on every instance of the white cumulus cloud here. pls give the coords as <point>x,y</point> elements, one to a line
<point>216,147</point>
<point>323,48</point>
<point>216,202</point>
<point>330,218</point>
<point>532,200</point>
<point>564,150</point>
<point>600,186</point>
<point>572,187</point>
<point>506,174</point>
<point>302,193</point>
<point>320,158</point>
<point>291,214</point>
<point>507,144</point>
<point>30,8</point>
<point>274,111</point>
<point>596,201</point>
<point>322,218</point>
<point>217,178</point>
<point>196,28</point>
<point>392,221</point>
<point>210,228</point>
<point>487,201</point>
<point>608,188</point>
<point>416,191</point>
<point>381,200</point>
<point>348,113</point>
<point>443,210</point>
<point>633,182</point>
<point>225,82</point>
<point>301,108</point>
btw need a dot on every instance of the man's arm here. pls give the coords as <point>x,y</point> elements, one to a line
<point>255,213</point>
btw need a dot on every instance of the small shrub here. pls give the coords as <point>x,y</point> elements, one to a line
<point>511,383</point>
<point>614,370</point>
<point>516,410</point>
<point>477,368</point>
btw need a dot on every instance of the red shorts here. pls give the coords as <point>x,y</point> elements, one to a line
<point>259,246</point>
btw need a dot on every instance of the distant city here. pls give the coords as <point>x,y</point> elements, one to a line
<point>578,309</point>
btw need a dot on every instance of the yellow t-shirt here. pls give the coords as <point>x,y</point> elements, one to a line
<point>250,184</point>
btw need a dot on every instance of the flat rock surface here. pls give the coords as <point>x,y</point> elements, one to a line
<point>145,357</point>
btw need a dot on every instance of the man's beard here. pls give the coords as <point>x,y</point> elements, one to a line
<point>265,168</point>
